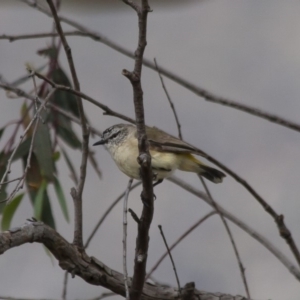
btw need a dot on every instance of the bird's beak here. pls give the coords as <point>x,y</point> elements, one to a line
<point>101,142</point>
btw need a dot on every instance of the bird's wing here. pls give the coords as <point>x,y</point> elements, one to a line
<point>162,141</point>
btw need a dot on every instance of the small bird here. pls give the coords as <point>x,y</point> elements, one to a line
<point>168,153</point>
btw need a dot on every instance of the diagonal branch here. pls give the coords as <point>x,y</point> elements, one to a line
<point>227,228</point>
<point>256,235</point>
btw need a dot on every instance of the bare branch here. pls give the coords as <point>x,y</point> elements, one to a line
<point>89,269</point>
<point>256,235</point>
<point>279,219</point>
<point>13,38</point>
<point>85,134</point>
<point>169,99</point>
<point>64,292</point>
<point>171,258</point>
<point>235,249</point>
<point>105,108</point>
<point>144,158</point>
<point>125,238</point>
<point>178,241</point>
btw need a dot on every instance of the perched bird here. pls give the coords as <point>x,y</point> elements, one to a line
<point>168,153</point>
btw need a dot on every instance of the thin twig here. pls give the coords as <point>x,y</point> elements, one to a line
<point>171,257</point>
<point>125,273</point>
<point>106,213</point>
<point>170,100</point>
<point>253,233</point>
<point>284,232</point>
<point>186,233</point>
<point>105,108</point>
<point>235,249</point>
<point>12,180</point>
<point>13,38</point>
<point>134,216</point>
<point>78,241</point>
<point>208,96</point>
<point>64,292</point>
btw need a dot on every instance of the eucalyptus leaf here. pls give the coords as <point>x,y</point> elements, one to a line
<point>61,198</point>
<point>9,211</point>
<point>43,151</point>
<point>70,165</point>
<point>38,202</point>
<point>64,99</point>
<point>1,131</point>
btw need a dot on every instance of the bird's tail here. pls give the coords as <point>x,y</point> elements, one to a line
<point>211,174</point>
<point>191,164</point>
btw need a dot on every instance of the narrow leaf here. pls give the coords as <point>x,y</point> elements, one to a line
<point>43,151</point>
<point>1,132</point>
<point>47,215</point>
<point>23,150</point>
<point>70,165</point>
<point>61,198</point>
<point>38,203</point>
<point>65,131</point>
<point>25,78</point>
<point>9,211</point>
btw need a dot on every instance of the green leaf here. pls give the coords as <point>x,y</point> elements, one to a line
<point>9,211</point>
<point>70,165</point>
<point>23,149</point>
<point>3,166</point>
<point>43,151</point>
<point>61,98</point>
<point>39,199</point>
<point>25,78</point>
<point>61,198</point>
<point>1,132</point>
<point>48,252</point>
<point>34,181</point>
<point>47,215</point>
<point>56,156</point>
<point>50,52</point>
<point>65,131</point>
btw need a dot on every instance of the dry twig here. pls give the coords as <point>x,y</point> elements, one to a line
<point>235,249</point>
<point>125,273</point>
<point>76,194</point>
<point>169,99</point>
<point>171,257</point>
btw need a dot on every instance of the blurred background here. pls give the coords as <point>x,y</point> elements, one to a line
<point>248,51</point>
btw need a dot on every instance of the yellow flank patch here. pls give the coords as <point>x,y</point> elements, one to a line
<point>191,157</point>
<point>189,163</point>
<point>163,160</point>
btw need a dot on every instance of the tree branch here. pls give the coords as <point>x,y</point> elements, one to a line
<point>89,269</point>
<point>208,96</point>
<point>77,195</point>
<point>144,158</point>
<point>256,235</point>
